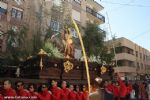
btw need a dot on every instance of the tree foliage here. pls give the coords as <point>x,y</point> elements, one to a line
<point>52,51</point>
<point>94,41</point>
<point>37,43</point>
<point>16,43</point>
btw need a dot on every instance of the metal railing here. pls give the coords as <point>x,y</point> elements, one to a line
<point>96,14</point>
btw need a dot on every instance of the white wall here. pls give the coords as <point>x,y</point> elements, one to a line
<point>76,15</point>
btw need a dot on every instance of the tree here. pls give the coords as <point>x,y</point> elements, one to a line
<point>94,41</point>
<point>37,43</point>
<point>16,40</point>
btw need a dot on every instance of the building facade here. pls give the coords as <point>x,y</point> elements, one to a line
<point>13,15</point>
<point>131,59</point>
<point>38,15</point>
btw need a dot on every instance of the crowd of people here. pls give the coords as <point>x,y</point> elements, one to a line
<point>43,92</point>
<point>102,90</point>
<point>119,89</point>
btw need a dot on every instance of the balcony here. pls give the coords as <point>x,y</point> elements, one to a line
<point>99,18</point>
<point>126,56</point>
<point>125,69</point>
<point>95,4</point>
<point>16,22</point>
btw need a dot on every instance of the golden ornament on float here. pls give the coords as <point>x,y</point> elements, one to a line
<point>41,53</point>
<point>103,69</point>
<point>68,66</point>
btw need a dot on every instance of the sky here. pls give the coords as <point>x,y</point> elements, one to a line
<point>129,19</point>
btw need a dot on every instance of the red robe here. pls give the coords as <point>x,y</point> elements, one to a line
<point>56,93</point>
<point>116,92</point>
<point>123,89</point>
<point>23,93</point>
<point>9,93</point>
<point>45,95</point>
<point>1,97</point>
<point>33,95</point>
<point>79,95</point>
<point>143,92</point>
<point>72,96</point>
<point>129,89</point>
<point>85,95</point>
<point>110,88</point>
<point>64,94</point>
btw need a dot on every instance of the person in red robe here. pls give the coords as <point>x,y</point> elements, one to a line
<point>129,89</point>
<point>123,90</point>
<point>8,91</point>
<point>22,93</point>
<point>1,97</point>
<point>85,93</point>
<point>32,93</point>
<point>56,92</point>
<point>64,91</point>
<point>110,87</point>
<point>120,89</point>
<point>44,94</point>
<point>116,90</point>
<point>108,91</point>
<point>72,94</point>
<point>79,93</point>
<point>143,93</point>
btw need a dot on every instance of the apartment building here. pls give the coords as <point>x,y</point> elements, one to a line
<point>132,59</point>
<point>15,14</point>
<point>38,14</point>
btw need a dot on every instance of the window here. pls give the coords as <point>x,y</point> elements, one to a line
<point>119,50</point>
<point>15,13</point>
<point>138,64</point>
<point>141,55</point>
<point>136,54</point>
<point>73,32</point>
<point>131,63</point>
<point>141,66</point>
<point>3,9</point>
<point>78,1</point>
<point>55,25</point>
<point>145,57</point>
